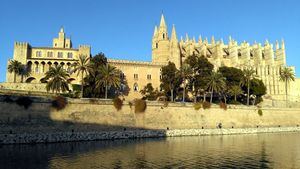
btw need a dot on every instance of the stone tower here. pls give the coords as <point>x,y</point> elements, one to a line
<point>62,41</point>
<point>163,48</point>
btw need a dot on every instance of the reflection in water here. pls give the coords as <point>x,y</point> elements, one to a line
<point>279,150</point>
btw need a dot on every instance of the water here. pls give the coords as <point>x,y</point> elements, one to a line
<point>280,150</point>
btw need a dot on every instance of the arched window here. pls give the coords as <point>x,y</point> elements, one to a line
<point>135,87</point>
<point>163,36</point>
<point>36,67</point>
<point>156,45</point>
<point>29,66</point>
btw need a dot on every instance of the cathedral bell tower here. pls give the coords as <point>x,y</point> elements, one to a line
<point>160,43</point>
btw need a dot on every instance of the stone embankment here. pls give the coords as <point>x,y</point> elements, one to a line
<point>131,134</point>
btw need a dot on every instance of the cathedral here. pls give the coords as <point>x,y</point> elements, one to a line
<point>266,59</point>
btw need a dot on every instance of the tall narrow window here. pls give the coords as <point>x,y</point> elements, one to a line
<point>163,36</point>
<point>70,55</point>
<point>156,45</point>
<point>60,55</point>
<point>149,77</point>
<point>135,76</point>
<point>38,54</point>
<point>50,54</point>
<point>135,87</point>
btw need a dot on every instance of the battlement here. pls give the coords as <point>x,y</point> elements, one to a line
<point>117,61</point>
<point>21,44</point>
<point>85,46</point>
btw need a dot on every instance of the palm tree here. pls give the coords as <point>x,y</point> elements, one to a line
<point>82,67</point>
<point>235,90</point>
<point>57,79</point>
<point>286,75</point>
<point>186,73</point>
<point>24,72</point>
<point>249,74</point>
<point>109,76</point>
<point>216,83</point>
<point>14,66</point>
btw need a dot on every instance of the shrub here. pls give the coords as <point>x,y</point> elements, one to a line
<point>234,102</point>
<point>118,103</point>
<point>223,105</point>
<point>76,87</point>
<point>258,100</point>
<point>59,102</point>
<point>197,106</point>
<point>166,103</point>
<point>130,104</point>
<point>206,105</point>
<point>140,105</point>
<point>260,112</point>
<point>24,101</point>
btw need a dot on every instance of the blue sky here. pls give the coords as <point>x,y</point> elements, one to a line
<point>123,29</point>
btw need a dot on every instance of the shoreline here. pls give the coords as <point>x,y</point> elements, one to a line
<point>35,138</point>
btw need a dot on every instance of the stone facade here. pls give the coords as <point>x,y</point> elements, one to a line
<point>264,59</point>
<point>93,119</point>
<point>40,59</point>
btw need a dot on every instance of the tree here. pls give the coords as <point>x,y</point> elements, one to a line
<point>90,88</point>
<point>233,75</point>
<point>169,78</point>
<point>235,91</point>
<point>82,67</point>
<point>109,76</point>
<point>15,67</point>
<point>24,72</point>
<point>57,79</point>
<point>258,89</point>
<point>185,73</point>
<point>286,75</point>
<point>216,83</point>
<point>248,75</point>
<point>149,93</point>
<point>202,69</point>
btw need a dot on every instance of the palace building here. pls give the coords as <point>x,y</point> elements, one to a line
<point>266,59</point>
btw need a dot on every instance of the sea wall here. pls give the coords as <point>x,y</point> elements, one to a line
<point>91,119</point>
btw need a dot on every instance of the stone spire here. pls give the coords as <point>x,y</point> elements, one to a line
<point>162,30</point>
<point>230,39</point>
<point>212,40</point>
<point>155,32</point>
<point>282,44</point>
<point>173,34</point>
<point>186,37</point>
<point>181,39</point>
<point>200,39</point>
<point>194,39</point>
<point>162,22</point>
<point>276,45</point>
<point>266,42</point>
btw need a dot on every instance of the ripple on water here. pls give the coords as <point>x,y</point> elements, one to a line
<point>281,150</point>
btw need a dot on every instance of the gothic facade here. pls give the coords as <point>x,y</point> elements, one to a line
<point>267,60</point>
